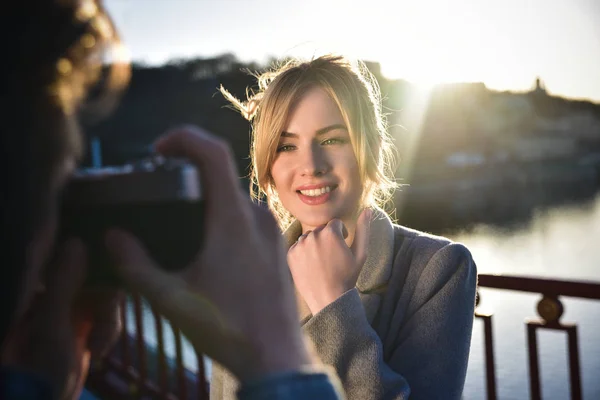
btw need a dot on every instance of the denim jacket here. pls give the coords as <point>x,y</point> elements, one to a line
<point>293,386</point>
<point>301,385</point>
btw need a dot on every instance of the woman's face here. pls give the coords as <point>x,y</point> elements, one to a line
<point>315,171</point>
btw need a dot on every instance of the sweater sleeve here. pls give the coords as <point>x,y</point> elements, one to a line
<point>428,359</point>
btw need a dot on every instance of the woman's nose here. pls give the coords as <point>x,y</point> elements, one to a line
<point>314,162</point>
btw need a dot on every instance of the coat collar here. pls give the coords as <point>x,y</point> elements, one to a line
<point>377,270</point>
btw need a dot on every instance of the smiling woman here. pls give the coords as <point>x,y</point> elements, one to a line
<point>316,166</point>
<point>390,308</point>
<point>330,94</point>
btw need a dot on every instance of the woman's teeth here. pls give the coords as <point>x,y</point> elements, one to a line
<point>316,192</point>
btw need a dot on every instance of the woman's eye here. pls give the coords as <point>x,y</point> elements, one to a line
<point>333,141</point>
<point>285,147</point>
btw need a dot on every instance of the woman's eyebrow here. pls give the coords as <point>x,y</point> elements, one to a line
<point>321,131</point>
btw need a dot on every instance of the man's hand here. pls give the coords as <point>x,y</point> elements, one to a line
<point>64,326</point>
<point>235,302</point>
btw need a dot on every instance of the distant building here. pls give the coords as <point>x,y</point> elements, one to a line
<point>465,159</point>
<point>540,86</point>
<point>543,147</point>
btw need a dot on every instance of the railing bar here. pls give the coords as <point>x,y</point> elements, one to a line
<point>140,341</point>
<point>160,344</point>
<point>201,379</point>
<point>574,367</point>
<point>124,335</point>
<point>534,372</point>
<point>179,363</point>
<point>579,289</point>
<point>489,358</point>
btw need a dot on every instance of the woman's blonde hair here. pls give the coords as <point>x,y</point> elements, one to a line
<point>357,95</point>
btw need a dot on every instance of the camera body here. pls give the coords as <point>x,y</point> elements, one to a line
<point>158,200</point>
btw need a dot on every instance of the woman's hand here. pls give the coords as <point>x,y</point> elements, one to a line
<point>322,264</point>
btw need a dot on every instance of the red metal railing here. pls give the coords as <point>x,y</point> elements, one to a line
<point>129,372</point>
<point>550,309</point>
<point>136,370</point>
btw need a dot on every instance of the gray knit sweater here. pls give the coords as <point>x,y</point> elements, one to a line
<point>405,330</point>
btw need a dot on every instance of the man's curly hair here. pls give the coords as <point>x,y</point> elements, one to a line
<point>54,55</point>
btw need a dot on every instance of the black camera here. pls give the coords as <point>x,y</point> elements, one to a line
<point>158,200</point>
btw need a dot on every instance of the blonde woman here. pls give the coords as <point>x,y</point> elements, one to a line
<point>390,308</point>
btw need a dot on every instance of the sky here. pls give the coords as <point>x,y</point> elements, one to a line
<point>504,44</point>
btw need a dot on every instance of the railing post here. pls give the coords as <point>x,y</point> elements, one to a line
<point>551,309</point>
<point>203,393</point>
<point>182,383</point>
<point>163,385</point>
<point>574,367</point>
<point>141,363</point>
<point>534,370</point>
<point>490,365</point>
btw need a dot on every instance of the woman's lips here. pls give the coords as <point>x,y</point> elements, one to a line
<point>316,200</point>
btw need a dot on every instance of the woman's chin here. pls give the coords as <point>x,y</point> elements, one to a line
<point>313,222</point>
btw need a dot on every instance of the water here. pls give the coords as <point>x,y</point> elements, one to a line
<point>559,242</point>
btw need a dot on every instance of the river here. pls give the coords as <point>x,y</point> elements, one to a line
<point>558,242</point>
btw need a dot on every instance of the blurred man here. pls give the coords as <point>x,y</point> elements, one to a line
<point>49,325</point>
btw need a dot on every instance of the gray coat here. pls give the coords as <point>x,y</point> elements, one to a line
<point>405,330</point>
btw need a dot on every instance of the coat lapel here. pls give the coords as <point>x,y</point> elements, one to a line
<point>377,270</point>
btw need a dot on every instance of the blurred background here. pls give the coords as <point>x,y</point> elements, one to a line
<point>494,107</point>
